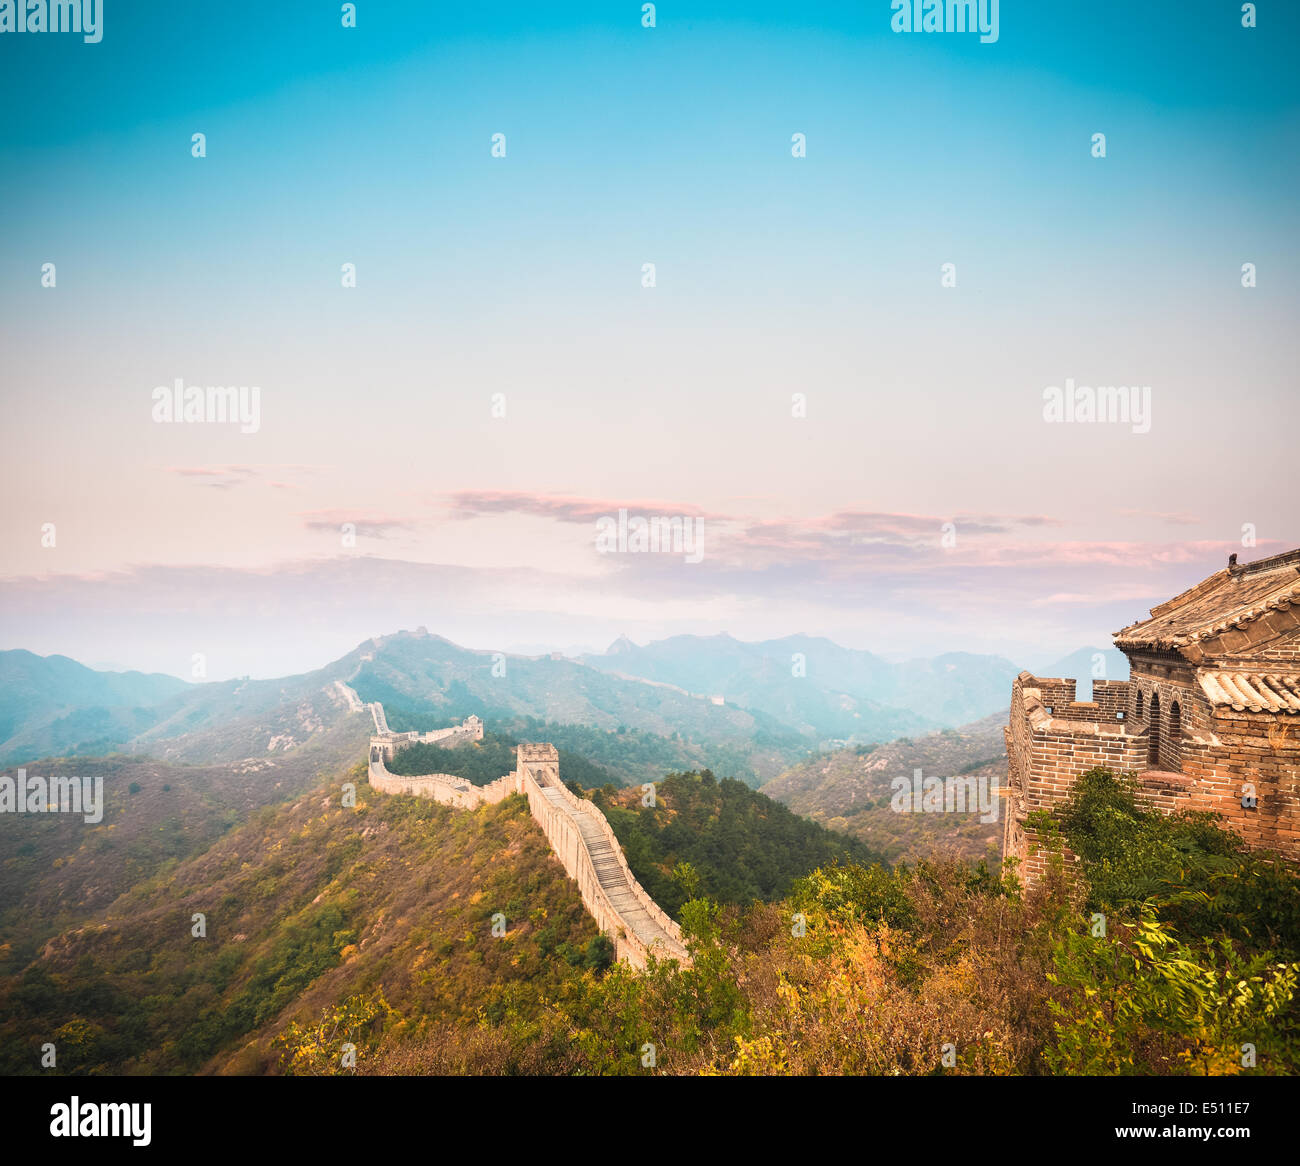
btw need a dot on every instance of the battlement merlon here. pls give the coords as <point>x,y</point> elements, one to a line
<point>1049,706</point>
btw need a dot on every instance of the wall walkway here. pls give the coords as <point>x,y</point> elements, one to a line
<point>578,833</point>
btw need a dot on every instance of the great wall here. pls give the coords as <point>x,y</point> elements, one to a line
<point>1208,721</point>
<point>577,831</point>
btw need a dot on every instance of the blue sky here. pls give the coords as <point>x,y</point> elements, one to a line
<point>522,276</point>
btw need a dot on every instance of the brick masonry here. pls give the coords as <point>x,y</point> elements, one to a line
<point>1187,751</point>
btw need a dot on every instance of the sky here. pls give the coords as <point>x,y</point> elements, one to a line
<point>865,450</point>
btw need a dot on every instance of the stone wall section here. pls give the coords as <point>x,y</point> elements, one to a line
<point>1217,756</point>
<point>578,833</point>
<point>561,815</point>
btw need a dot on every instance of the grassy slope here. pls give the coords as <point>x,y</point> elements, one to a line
<point>305,905</point>
<point>743,845</point>
<point>56,870</point>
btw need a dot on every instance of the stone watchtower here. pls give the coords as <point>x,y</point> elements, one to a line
<point>540,762</point>
<point>1208,720</point>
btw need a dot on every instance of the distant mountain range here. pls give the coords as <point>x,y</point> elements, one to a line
<point>822,690</point>
<point>634,729</point>
<point>51,703</point>
<point>743,709</point>
<point>1083,665</point>
<point>637,730</point>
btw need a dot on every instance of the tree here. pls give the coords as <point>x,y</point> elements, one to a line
<point>687,878</point>
<point>1142,1001</point>
<point>320,1050</point>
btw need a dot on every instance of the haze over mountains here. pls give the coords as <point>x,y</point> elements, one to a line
<point>779,699</point>
<point>51,703</point>
<point>820,688</point>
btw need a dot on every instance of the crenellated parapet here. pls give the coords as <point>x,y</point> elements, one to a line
<point>585,843</point>
<point>1208,721</point>
<point>440,787</point>
<point>388,742</point>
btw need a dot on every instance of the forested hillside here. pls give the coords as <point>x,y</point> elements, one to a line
<point>373,926</point>
<point>306,907</point>
<point>57,871</point>
<point>482,762</point>
<point>717,839</point>
<point>949,968</point>
<point>851,791</point>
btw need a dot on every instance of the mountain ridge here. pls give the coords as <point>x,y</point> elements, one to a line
<point>748,709</point>
<point>843,694</point>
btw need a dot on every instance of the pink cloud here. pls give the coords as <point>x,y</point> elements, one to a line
<point>1180,518</point>
<point>223,477</point>
<point>467,504</point>
<point>367,525</point>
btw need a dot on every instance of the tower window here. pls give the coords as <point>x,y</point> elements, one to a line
<point>1173,749</point>
<point>1153,749</point>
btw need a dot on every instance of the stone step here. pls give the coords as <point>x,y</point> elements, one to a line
<point>612,877</point>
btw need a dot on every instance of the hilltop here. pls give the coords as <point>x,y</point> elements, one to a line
<point>635,730</point>
<point>422,679</point>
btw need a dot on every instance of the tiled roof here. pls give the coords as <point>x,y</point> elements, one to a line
<point>1226,600</point>
<point>1257,691</point>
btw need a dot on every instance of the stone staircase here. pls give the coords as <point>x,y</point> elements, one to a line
<point>614,881</point>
